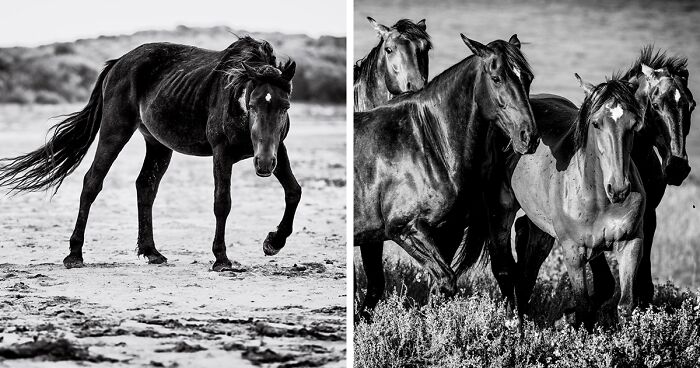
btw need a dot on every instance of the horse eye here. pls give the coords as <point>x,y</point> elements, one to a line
<point>496,79</point>
<point>388,50</point>
<point>655,106</point>
<point>595,125</point>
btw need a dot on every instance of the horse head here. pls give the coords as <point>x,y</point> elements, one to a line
<point>263,96</point>
<point>615,115</point>
<point>669,99</point>
<point>504,90</point>
<point>403,50</point>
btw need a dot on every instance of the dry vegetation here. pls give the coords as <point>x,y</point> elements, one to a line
<point>66,72</point>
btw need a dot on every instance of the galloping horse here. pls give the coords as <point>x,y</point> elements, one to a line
<point>417,158</point>
<point>230,105</point>
<point>578,188</point>
<point>661,88</point>
<point>398,64</point>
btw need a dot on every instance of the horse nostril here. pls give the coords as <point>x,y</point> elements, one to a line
<point>608,189</point>
<point>273,164</point>
<point>408,86</point>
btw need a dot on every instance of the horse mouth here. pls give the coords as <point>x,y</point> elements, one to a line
<point>263,174</point>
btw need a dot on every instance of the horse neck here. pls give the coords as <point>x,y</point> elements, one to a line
<point>457,128</point>
<point>370,90</point>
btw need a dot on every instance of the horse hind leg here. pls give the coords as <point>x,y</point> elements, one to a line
<point>115,131</point>
<point>532,246</point>
<point>154,166</point>
<point>373,264</point>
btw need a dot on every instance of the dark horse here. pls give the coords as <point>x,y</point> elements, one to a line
<point>398,64</point>
<point>661,84</point>
<point>417,158</point>
<point>230,105</point>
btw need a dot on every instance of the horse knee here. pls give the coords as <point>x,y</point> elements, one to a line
<point>293,195</point>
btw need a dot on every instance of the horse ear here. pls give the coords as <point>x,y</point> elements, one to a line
<point>380,28</point>
<point>587,87</point>
<point>514,40</point>
<point>477,48</point>
<point>289,70</point>
<point>421,24</point>
<point>649,72</point>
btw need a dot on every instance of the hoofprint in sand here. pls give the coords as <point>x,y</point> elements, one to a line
<point>286,310</point>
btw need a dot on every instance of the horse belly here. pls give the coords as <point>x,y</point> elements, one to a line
<point>532,193</point>
<point>181,132</point>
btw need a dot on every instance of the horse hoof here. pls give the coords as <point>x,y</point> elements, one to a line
<point>156,259</point>
<point>222,266</point>
<point>270,246</point>
<point>73,262</point>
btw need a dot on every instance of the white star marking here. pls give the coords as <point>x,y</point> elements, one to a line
<point>677,96</point>
<point>517,72</point>
<point>616,112</point>
<point>268,97</point>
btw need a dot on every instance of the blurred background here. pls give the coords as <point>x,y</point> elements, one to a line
<point>592,38</point>
<point>54,55</point>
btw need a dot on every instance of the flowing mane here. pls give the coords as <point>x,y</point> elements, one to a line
<point>617,89</point>
<point>658,59</point>
<point>407,29</point>
<point>260,65</point>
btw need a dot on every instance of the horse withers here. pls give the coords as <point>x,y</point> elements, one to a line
<point>230,104</point>
<point>397,64</point>
<point>417,158</point>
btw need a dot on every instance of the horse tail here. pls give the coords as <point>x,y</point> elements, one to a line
<point>50,164</point>
<point>471,252</point>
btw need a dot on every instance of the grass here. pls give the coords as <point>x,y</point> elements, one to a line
<point>473,330</point>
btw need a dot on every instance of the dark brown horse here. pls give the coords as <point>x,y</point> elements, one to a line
<point>661,88</point>
<point>397,64</point>
<point>417,158</point>
<point>230,104</point>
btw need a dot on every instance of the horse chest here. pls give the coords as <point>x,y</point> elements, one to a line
<point>598,224</point>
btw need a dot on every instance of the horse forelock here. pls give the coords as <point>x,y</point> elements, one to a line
<point>621,91</point>
<point>262,65</point>
<point>411,31</point>
<point>512,56</point>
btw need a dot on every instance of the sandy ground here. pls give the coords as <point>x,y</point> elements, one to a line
<point>287,310</point>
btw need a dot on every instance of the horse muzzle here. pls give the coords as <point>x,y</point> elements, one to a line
<point>264,166</point>
<point>676,171</point>
<point>617,194</point>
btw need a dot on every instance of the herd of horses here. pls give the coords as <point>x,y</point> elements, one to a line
<point>230,105</point>
<point>442,167</point>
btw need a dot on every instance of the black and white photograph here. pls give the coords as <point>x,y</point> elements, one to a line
<point>526,188</point>
<point>173,179</point>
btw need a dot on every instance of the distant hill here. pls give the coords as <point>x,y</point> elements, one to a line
<point>66,72</point>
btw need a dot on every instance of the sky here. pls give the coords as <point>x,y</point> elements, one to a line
<point>38,22</point>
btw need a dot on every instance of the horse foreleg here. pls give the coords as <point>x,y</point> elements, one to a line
<point>644,286</point>
<point>603,280</point>
<point>154,166</point>
<point>374,269</point>
<point>292,195</point>
<point>575,260</point>
<point>114,133</point>
<point>223,164</point>
<point>418,244</point>
<point>629,255</point>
